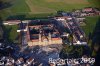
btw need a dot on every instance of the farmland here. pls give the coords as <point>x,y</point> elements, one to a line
<point>31,7</point>
<point>54,5</point>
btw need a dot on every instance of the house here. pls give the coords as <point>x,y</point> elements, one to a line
<point>80,19</point>
<point>20,61</point>
<point>29,61</point>
<point>83,14</point>
<point>88,10</point>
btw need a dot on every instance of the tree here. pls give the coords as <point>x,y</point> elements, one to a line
<point>70,38</point>
<point>71,51</point>
<point>1,32</point>
<point>96,47</point>
<point>5,3</point>
<point>90,43</point>
<point>66,51</point>
<point>94,53</point>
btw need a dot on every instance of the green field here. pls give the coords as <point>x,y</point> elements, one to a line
<point>18,7</point>
<point>90,24</point>
<point>11,32</point>
<point>31,7</point>
<point>54,5</point>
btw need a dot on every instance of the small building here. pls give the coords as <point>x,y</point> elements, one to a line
<point>19,61</point>
<point>11,22</point>
<point>88,10</point>
<point>80,19</point>
<point>29,61</point>
<point>83,14</point>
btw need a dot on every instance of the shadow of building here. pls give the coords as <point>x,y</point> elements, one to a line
<point>96,40</point>
<point>4,5</point>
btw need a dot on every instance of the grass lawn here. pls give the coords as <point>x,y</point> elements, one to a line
<point>18,7</point>
<point>95,3</point>
<point>90,24</point>
<point>11,32</point>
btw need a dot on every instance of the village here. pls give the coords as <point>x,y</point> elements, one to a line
<point>43,39</point>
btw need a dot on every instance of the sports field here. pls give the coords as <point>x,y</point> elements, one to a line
<point>29,7</point>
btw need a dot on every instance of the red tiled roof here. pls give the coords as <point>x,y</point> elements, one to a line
<point>87,9</point>
<point>55,38</point>
<point>35,40</point>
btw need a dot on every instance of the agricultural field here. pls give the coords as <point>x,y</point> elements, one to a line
<point>54,5</point>
<point>31,7</point>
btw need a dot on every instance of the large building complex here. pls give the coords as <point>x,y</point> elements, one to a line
<point>72,28</point>
<point>54,30</point>
<point>51,31</point>
<point>42,33</point>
